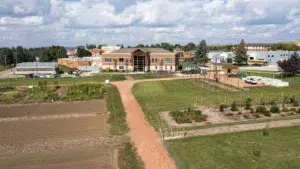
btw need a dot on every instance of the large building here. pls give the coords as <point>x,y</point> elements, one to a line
<point>141,59</point>
<point>26,68</point>
<point>270,57</point>
<point>109,49</point>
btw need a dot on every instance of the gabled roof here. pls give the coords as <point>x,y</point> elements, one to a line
<point>151,50</point>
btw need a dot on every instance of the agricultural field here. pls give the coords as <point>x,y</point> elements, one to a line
<point>67,80</point>
<point>74,134</point>
<point>251,150</point>
<point>175,95</point>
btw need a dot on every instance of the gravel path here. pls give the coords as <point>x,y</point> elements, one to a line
<point>147,141</point>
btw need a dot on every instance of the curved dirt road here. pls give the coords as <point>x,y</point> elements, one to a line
<point>147,141</point>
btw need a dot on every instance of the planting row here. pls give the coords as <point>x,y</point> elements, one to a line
<point>188,116</point>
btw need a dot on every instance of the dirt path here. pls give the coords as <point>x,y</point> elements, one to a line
<point>232,129</point>
<point>147,141</point>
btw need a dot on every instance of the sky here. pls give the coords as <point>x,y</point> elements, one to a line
<point>33,23</point>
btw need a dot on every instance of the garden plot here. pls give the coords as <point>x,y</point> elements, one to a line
<point>206,115</point>
<point>35,139</point>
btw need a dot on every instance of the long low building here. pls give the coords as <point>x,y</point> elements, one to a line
<point>26,68</point>
<point>141,60</point>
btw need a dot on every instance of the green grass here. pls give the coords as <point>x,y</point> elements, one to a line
<point>2,68</point>
<point>70,80</point>
<point>65,69</point>
<point>155,97</point>
<point>117,117</point>
<point>151,75</point>
<point>128,159</point>
<point>234,151</point>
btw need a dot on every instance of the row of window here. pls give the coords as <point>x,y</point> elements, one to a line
<point>121,60</point>
<point>161,67</point>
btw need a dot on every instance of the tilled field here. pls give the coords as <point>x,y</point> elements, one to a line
<point>58,135</point>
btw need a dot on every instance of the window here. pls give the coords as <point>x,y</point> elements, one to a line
<point>121,67</point>
<point>168,60</point>
<point>272,55</point>
<point>166,68</point>
<point>152,60</point>
<point>268,55</point>
<point>171,68</point>
<point>155,67</point>
<point>251,58</point>
<point>121,60</point>
<point>107,59</point>
<point>155,60</point>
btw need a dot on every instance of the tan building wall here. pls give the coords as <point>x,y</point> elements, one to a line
<point>73,63</point>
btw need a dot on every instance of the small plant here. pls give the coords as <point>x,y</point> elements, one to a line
<point>246,116</point>
<point>293,109</point>
<point>251,110</point>
<point>292,99</point>
<point>266,131</point>
<point>248,103</point>
<point>284,109</point>
<point>298,111</point>
<point>272,102</point>
<point>261,109</point>
<point>222,107</point>
<point>233,107</point>
<point>256,150</point>
<point>296,103</point>
<point>55,83</point>
<point>257,115</point>
<point>274,109</point>
<point>240,113</point>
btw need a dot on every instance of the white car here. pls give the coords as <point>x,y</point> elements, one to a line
<point>251,81</point>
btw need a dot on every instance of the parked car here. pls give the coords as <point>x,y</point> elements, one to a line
<point>251,81</point>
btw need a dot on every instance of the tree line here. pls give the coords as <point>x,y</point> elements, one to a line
<point>14,55</point>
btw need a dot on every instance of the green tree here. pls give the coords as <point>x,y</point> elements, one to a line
<point>201,53</point>
<point>82,52</point>
<point>90,46</point>
<point>189,46</point>
<point>240,52</point>
<point>140,45</point>
<point>290,66</point>
<point>166,46</point>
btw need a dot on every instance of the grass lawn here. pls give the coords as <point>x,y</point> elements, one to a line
<point>69,80</point>
<point>234,151</point>
<point>128,159</point>
<point>65,68</point>
<point>117,115</point>
<point>155,97</point>
<point>2,68</point>
<point>151,75</point>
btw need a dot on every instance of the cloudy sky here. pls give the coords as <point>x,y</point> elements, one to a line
<point>34,23</point>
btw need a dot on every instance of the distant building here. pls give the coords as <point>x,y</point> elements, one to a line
<point>26,68</point>
<point>141,59</point>
<point>109,49</point>
<point>270,57</point>
<point>73,63</point>
<point>95,52</point>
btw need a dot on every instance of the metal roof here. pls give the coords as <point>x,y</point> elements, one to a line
<point>37,64</point>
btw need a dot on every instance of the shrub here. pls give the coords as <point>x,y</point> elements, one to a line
<point>181,117</point>
<point>248,103</point>
<point>272,102</point>
<point>298,110</point>
<point>222,107</point>
<point>284,109</point>
<point>261,109</point>
<point>274,109</point>
<point>292,99</point>
<point>293,109</point>
<point>234,106</point>
<point>296,103</point>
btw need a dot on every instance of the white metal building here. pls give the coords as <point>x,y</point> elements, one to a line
<point>36,68</point>
<point>271,57</point>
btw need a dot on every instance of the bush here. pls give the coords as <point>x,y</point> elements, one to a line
<point>261,109</point>
<point>293,109</point>
<point>222,107</point>
<point>298,110</point>
<point>284,109</point>
<point>248,103</point>
<point>187,116</point>
<point>274,109</point>
<point>272,102</point>
<point>292,99</point>
<point>296,103</point>
<point>233,107</point>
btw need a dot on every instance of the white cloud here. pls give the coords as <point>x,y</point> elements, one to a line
<point>70,23</point>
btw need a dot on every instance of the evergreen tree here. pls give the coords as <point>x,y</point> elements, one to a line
<point>201,53</point>
<point>240,52</point>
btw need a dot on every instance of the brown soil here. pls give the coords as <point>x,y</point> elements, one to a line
<point>52,108</point>
<point>147,141</point>
<point>57,135</point>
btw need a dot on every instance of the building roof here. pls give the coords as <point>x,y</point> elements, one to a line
<point>151,50</point>
<point>37,64</point>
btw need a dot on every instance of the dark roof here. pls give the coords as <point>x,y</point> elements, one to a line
<point>151,50</point>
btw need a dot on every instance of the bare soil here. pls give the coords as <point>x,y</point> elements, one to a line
<point>52,108</point>
<point>57,135</point>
